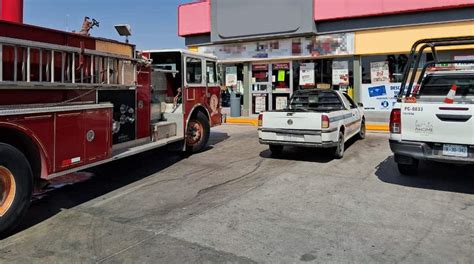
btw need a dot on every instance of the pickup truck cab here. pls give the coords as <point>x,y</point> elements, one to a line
<point>314,118</point>
<point>435,122</point>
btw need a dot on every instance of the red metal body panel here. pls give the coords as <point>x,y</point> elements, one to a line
<point>100,121</point>
<point>34,33</point>
<point>69,143</point>
<point>12,10</point>
<point>40,129</point>
<point>62,137</point>
<point>13,97</point>
<point>143,103</point>
<point>196,96</point>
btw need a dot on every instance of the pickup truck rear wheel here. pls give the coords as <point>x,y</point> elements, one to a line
<point>276,150</point>
<point>340,148</point>
<point>16,187</point>
<point>409,169</point>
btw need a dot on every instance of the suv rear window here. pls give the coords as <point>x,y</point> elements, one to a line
<point>440,85</point>
<point>316,101</point>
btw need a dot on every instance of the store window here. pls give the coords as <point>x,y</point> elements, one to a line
<point>334,74</point>
<point>193,71</point>
<point>233,81</point>
<point>260,77</point>
<point>281,77</point>
<point>383,68</point>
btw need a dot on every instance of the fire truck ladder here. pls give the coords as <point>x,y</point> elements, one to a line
<point>30,64</point>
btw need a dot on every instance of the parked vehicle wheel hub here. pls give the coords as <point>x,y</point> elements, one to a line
<point>195,132</point>
<point>7,190</point>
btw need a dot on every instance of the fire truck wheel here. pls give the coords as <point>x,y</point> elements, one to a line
<point>197,134</point>
<point>16,187</point>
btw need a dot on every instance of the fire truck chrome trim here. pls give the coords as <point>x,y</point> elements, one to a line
<point>15,110</point>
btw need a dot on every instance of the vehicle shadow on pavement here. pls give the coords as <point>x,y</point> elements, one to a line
<point>432,175</point>
<point>306,154</point>
<point>107,178</point>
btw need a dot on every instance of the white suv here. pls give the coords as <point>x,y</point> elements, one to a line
<point>435,121</point>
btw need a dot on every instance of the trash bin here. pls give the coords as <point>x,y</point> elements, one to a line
<point>235,109</point>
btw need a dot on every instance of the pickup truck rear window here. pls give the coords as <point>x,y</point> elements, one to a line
<point>316,101</point>
<point>440,85</point>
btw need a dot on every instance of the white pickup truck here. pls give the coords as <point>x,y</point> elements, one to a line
<point>314,118</point>
<point>435,121</point>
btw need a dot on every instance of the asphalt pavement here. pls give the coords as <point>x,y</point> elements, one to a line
<point>234,203</point>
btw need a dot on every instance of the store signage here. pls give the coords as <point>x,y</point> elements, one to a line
<point>260,67</point>
<point>380,97</point>
<point>281,66</point>
<point>231,76</point>
<point>464,58</point>
<point>379,72</point>
<point>340,73</point>
<point>324,45</point>
<point>307,74</point>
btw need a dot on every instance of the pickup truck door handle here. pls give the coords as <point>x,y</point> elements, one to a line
<point>454,118</point>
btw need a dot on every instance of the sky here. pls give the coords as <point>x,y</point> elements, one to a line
<point>154,22</point>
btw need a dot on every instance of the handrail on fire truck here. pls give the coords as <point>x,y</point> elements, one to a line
<point>79,66</point>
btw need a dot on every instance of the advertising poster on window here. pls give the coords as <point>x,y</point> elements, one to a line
<point>340,73</point>
<point>379,72</point>
<point>307,74</point>
<point>260,103</point>
<point>281,102</point>
<point>231,76</point>
<point>380,97</point>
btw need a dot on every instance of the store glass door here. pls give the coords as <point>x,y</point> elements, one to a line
<point>281,75</point>
<point>261,89</point>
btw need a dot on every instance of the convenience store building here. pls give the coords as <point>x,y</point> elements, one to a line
<point>271,48</point>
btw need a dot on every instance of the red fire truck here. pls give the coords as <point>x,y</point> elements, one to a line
<point>69,102</point>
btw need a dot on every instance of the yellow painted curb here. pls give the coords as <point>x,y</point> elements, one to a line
<point>254,122</point>
<point>383,128</point>
<point>242,121</point>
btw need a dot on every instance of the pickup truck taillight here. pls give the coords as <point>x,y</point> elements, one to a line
<point>396,121</point>
<point>325,123</point>
<point>260,120</point>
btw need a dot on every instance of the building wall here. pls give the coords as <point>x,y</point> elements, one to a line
<point>194,18</point>
<point>400,40</point>
<point>337,9</point>
<point>244,19</point>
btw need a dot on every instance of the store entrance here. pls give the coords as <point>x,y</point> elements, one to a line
<point>271,86</point>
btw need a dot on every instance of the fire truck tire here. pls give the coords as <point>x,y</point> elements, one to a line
<point>16,187</point>
<point>197,134</point>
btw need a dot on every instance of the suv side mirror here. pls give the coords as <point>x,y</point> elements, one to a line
<point>360,104</point>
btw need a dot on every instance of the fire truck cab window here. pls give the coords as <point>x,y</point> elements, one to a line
<point>193,71</point>
<point>211,71</point>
